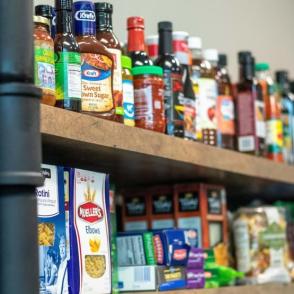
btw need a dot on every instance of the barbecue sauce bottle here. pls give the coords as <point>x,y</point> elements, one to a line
<point>96,64</point>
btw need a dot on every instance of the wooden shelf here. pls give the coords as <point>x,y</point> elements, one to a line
<point>260,289</point>
<point>135,156</point>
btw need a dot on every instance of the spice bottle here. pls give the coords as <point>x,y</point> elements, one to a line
<point>272,102</point>
<point>225,108</point>
<point>149,98</point>
<point>44,60</point>
<point>104,34</point>
<point>48,12</point>
<point>136,42</point>
<point>173,86</point>
<point>96,64</point>
<point>128,91</point>
<point>152,46</point>
<point>67,59</point>
<point>287,115</point>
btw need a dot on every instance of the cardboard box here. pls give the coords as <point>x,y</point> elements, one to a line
<point>171,278</point>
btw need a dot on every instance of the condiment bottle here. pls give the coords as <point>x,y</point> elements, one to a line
<point>149,98</point>
<point>104,34</point>
<point>97,64</point>
<point>172,76</point>
<point>128,91</point>
<point>208,93</point>
<point>136,42</point>
<point>225,106</point>
<point>272,102</point>
<point>287,115</point>
<point>48,12</point>
<point>44,60</point>
<point>152,46</point>
<point>67,59</point>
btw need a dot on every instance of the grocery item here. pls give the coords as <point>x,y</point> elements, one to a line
<point>48,12</point>
<point>171,278</point>
<point>195,278</point>
<point>152,46</point>
<point>44,60</point>
<point>90,262</point>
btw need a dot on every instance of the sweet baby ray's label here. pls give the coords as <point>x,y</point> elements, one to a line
<point>90,241</point>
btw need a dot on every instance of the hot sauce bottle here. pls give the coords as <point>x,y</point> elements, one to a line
<point>105,35</point>
<point>136,42</point>
<point>172,75</point>
<point>97,64</point>
<point>67,59</point>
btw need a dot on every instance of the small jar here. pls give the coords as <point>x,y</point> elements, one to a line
<point>149,98</point>
<point>44,60</point>
<point>128,91</point>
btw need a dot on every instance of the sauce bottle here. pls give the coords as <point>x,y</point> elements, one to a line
<point>97,64</point>
<point>48,12</point>
<point>152,46</point>
<point>274,126</point>
<point>225,106</point>
<point>172,75</point>
<point>67,59</point>
<point>287,115</point>
<point>105,35</point>
<point>136,42</point>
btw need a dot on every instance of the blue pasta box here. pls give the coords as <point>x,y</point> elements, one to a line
<point>53,271</point>
<point>89,230</point>
<point>171,278</point>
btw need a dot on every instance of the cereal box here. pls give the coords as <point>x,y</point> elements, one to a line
<point>90,263</point>
<point>51,230</point>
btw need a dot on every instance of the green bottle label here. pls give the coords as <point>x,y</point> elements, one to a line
<point>68,75</point>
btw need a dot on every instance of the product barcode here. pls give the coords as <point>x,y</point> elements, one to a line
<point>142,274</point>
<point>246,143</point>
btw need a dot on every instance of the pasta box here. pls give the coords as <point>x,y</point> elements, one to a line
<point>90,261</point>
<point>171,278</point>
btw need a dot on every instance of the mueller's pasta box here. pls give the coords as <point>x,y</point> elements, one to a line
<point>90,264</point>
<point>51,230</point>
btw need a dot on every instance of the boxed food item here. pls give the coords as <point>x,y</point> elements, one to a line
<point>137,278</point>
<point>195,278</point>
<point>260,242</point>
<point>90,263</point>
<point>171,278</point>
<point>51,232</point>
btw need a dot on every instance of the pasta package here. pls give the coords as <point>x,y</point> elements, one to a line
<point>53,274</point>
<point>90,261</point>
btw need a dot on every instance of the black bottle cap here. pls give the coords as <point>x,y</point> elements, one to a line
<point>222,60</point>
<point>245,57</point>
<point>45,11</point>
<point>63,5</point>
<point>165,26</point>
<point>292,86</point>
<point>282,76</point>
<point>103,7</point>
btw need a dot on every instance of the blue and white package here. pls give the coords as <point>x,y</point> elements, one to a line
<point>53,259</point>
<point>90,263</point>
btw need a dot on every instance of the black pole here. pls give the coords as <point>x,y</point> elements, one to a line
<point>20,150</point>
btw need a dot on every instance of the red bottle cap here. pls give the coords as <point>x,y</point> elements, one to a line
<point>135,22</point>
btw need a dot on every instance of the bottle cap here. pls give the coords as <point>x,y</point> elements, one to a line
<point>135,22</point>
<point>42,20</point>
<point>262,66</point>
<point>45,11</point>
<point>282,76</point>
<point>151,70</point>
<point>104,7</point>
<point>179,35</point>
<point>245,57</point>
<point>153,39</point>
<point>63,5</point>
<point>292,86</point>
<point>195,43</point>
<point>222,60</point>
<point>126,62</point>
<point>210,55</point>
<point>165,26</point>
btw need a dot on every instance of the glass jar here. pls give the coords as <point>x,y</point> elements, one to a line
<point>149,98</point>
<point>44,60</point>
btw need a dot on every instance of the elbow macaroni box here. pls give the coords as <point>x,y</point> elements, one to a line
<point>90,262</point>
<point>51,232</point>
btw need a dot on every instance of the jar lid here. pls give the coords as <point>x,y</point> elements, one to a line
<point>126,62</point>
<point>42,20</point>
<point>262,66</point>
<point>148,69</point>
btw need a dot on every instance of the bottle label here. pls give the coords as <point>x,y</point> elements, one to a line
<point>96,83</point>
<point>260,119</point>
<point>226,115</point>
<point>44,69</point>
<point>117,80</point>
<point>189,118</point>
<point>68,75</point>
<point>128,103</point>
<point>85,18</point>
<point>274,135</point>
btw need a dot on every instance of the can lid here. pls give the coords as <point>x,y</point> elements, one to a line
<point>104,7</point>
<point>262,66</point>
<point>153,39</point>
<point>135,22</point>
<point>151,70</point>
<point>195,43</point>
<point>63,5</point>
<point>42,20</point>
<point>210,54</point>
<point>180,35</point>
<point>45,11</point>
<point>126,62</point>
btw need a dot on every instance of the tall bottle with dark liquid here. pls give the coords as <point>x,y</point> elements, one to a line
<point>136,42</point>
<point>172,74</point>
<point>67,59</point>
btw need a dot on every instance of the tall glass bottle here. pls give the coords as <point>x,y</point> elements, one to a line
<point>48,12</point>
<point>136,42</point>
<point>172,75</point>
<point>97,64</point>
<point>105,35</point>
<point>67,59</point>
<point>225,106</point>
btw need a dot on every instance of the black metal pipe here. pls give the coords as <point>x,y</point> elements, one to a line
<point>20,150</point>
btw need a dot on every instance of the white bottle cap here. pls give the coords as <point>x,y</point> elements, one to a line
<point>153,39</point>
<point>178,35</point>
<point>210,54</point>
<point>195,43</point>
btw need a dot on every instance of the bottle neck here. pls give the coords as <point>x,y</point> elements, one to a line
<point>136,40</point>
<point>247,72</point>
<point>104,21</point>
<point>64,21</point>
<point>165,43</point>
